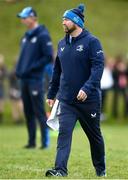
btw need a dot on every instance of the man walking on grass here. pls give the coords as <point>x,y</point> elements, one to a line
<point>76,83</point>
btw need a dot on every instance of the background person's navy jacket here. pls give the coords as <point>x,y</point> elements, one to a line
<point>36,52</point>
<point>78,65</point>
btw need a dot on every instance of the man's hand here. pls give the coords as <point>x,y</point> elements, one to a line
<point>81,95</point>
<point>50,102</point>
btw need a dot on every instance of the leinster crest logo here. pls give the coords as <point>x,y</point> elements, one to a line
<point>80,48</point>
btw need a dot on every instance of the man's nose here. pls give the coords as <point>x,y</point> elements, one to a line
<point>64,22</point>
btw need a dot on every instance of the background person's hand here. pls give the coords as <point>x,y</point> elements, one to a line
<point>50,102</point>
<point>81,95</point>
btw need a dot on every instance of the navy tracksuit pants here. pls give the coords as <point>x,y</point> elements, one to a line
<point>89,118</point>
<point>33,102</point>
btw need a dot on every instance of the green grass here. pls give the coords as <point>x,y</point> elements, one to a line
<point>107,19</point>
<point>16,162</point>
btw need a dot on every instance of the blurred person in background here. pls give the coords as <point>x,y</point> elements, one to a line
<point>36,53</point>
<point>76,82</point>
<point>48,70</point>
<point>120,77</point>
<point>106,84</point>
<point>3,73</point>
<point>15,97</point>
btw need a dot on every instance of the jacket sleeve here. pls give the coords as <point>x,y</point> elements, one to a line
<point>55,81</point>
<point>96,57</point>
<point>46,50</point>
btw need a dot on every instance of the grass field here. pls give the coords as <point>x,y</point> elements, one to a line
<point>16,162</point>
<point>107,19</point>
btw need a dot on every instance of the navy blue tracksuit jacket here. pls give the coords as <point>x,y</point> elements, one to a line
<point>78,66</point>
<point>36,52</point>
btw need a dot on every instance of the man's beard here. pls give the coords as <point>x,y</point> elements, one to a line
<point>69,31</point>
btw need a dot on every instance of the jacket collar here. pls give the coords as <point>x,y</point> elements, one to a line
<point>81,35</point>
<point>35,31</point>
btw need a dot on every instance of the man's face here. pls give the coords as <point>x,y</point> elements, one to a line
<point>68,26</point>
<point>28,22</point>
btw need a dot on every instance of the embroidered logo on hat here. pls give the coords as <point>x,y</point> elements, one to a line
<point>76,19</point>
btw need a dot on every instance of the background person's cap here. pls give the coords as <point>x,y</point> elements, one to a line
<point>27,12</point>
<point>76,15</point>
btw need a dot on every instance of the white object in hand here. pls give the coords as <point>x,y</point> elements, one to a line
<point>53,121</point>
